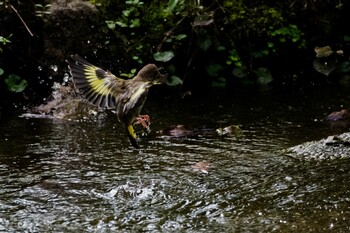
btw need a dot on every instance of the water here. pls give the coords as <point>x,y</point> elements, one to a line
<point>61,176</point>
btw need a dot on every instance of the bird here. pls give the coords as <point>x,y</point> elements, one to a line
<point>125,96</point>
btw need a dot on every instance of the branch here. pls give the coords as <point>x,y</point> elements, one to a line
<point>169,33</point>
<point>19,16</point>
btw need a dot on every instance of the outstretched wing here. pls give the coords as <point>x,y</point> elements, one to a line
<point>96,85</point>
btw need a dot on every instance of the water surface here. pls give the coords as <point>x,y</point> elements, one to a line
<point>84,176</point>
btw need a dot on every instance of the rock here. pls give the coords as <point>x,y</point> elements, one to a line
<point>231,130</point>
<point>338,119</point>
<point>64,104</point>
<point>182,131</point>
<point>326,60</point>
<point>332,147</point>
<point>61,6</point>
<point>343,114</point>
<point>177,131</point>
<point>201,166</point>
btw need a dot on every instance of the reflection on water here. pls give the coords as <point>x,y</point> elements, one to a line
<point>66,176</point>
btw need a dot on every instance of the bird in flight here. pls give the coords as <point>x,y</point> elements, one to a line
<point>106,91</point>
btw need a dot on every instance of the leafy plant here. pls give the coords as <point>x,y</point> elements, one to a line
<point>130,16</point>
<point>234,58</point>
<point>5,41</point>
<point>174,81</point>
<point>14,83</point>
<point>131,74</point>
<point>236,35</point>
<point>163,56</point>
<point>283,35</point>
<point>42,10</point>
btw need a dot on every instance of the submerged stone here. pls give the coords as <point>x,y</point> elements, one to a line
<point>182,131</point>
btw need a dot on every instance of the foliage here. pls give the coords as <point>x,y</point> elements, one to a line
<point>146,23</point>
<point>4,41</point>
<point>199,43</point>
<point>163,56</point>
<point>15,83</point>
<point>173,81</point>
<point>42,10</point>
<point>131,16</point>
<point>176,29</point>
<point>131,74</point>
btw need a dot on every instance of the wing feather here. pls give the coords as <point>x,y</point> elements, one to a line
<point>96,85</point>
<point>106,91</point>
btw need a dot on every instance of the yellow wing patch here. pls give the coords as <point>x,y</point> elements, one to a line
<point>98,85</point>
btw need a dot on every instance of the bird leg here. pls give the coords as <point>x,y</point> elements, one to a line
<point>144,120</point>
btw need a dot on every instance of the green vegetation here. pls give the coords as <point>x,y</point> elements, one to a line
<point>200,44</point>
<point>42,10</point>
<point>4,41</point>
<point>13,82</point>
<point>226,37</point>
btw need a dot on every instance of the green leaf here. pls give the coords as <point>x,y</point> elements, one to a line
<point>344,67</point>
<point>171,69</point>
<point>239,72</point>
<point>180,36</point>
<point>219,82</point>
<point>135,23</point>
<point>111,24</point>
<point>171,5</point>
<point>130,74</point>
<point>163,56</point>
<point>346,38</point>
<point>126,13</point>
<point>121,24</point>
<point>1,71</point>
<point>205,44</point>
<point>173,81</point>
<point>214,69</point>
<point>270,44</point>
<point>4,40</point>
<point>261,53</point>
<point>220,48</point>
<point>15,83</point>
<point>264,75</point>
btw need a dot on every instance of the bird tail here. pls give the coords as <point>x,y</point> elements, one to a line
<point>91,82</point>
<point>132,136</point>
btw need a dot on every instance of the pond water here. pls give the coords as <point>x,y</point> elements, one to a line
<point>65,176</point>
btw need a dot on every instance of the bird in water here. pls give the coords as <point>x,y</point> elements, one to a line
<point>107,91</point>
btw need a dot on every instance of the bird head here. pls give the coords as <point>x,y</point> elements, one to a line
<point>150,73</point>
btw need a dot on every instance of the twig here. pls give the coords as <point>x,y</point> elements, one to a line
<point>169,33</point>
<point>19,16</point>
